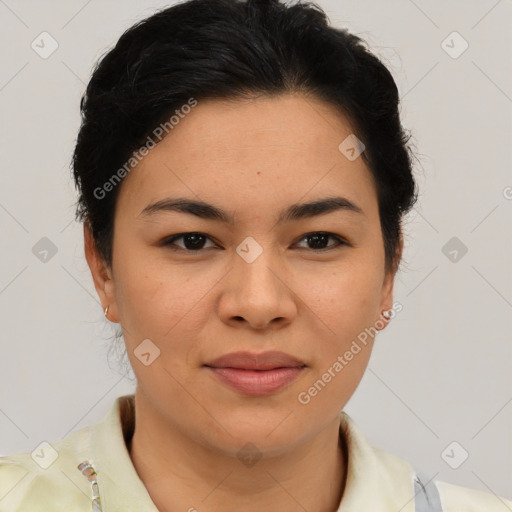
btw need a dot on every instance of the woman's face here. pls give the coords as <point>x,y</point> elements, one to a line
<point>253,282</point>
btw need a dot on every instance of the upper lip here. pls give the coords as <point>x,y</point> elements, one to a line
<point>253,361</point>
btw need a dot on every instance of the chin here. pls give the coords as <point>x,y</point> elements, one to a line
<point>271,432</point>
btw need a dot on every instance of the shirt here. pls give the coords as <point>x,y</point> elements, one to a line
<point>91,470</point>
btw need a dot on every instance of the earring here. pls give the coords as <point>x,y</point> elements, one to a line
<point>386,314</point>
<point>106,311</point>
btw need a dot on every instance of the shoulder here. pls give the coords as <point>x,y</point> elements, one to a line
<point>431,495</point>
<point>47,479</point>
<point>378,480</point>
<point>466,499</point>
<point>399,484</point>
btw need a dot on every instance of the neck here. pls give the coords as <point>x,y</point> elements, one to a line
<point>181,474</point>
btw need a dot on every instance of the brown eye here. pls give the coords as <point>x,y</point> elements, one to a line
<point>318,241</point>
<point>195,241</point>
<point>192,242</point>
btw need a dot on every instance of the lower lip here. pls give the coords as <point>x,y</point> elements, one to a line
<point>257,382</point>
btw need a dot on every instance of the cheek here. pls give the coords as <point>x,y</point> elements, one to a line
<point>345,310</point>
<point>159,300</point>
<point>347,299</point>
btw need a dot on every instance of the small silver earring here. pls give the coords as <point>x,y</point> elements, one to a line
<point>106,311</point>
<point>386,314</point>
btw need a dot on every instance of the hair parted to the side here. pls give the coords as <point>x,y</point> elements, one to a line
<point>228,49</point>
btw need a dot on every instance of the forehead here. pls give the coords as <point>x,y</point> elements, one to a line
<point>251,153</point>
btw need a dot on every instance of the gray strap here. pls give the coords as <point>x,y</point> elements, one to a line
<point>426,496</point>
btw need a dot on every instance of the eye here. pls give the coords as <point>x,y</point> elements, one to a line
<point>319,238</point>
<point>193,242</point>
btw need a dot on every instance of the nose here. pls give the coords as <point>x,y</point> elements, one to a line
<point>256,294</point>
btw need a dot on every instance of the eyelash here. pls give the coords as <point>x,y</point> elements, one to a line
<point>168,242</point>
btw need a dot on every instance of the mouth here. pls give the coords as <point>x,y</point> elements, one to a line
<point>256,374</point>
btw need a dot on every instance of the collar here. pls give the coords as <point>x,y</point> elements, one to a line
<point>376,480</point>
<point>120,486</point>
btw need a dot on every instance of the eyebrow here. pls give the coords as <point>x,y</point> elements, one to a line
<point>292,213</point>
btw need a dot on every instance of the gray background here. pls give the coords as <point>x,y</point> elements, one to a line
<point>440,373</point>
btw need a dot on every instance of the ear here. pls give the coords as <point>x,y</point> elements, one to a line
<point>386,303</point>
<point>101,274</point>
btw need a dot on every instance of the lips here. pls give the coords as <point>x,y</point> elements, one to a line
<point>252,361</point>
<point>256,374</point>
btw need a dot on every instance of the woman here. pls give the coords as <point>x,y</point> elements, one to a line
<point>243,175</point>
